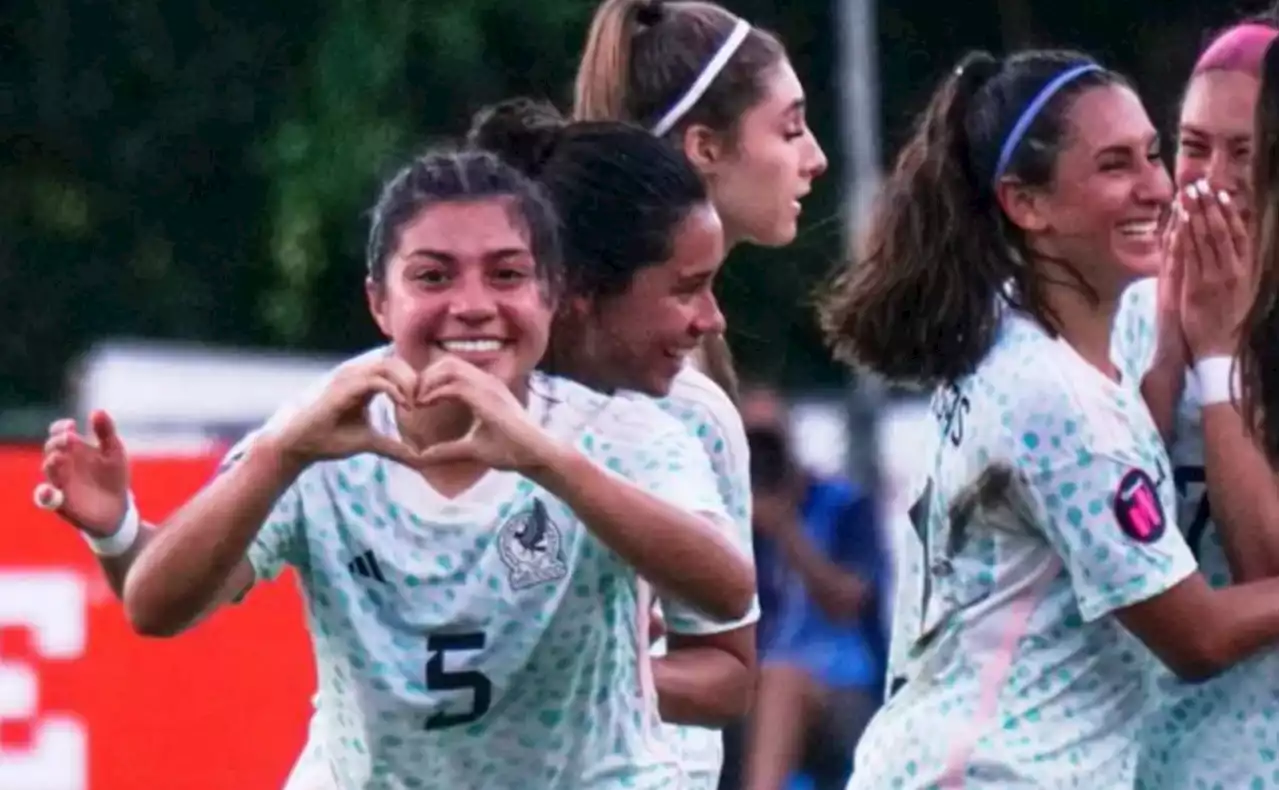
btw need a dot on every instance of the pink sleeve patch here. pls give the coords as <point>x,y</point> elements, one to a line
<point>1137,507</point>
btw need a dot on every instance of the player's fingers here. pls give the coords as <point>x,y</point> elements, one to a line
<point>393,449</point>
<point>405,377</point>
<point>64,441</point>
<point>1172,220</point>
<point>1202,262</point>
<point>393,388</point>
<point>53,467</point>
<point>1188,204</point>
<point>457,389</point>
<point>1241,242</point>
<point>1176,265</point>
<point>104,431</point>
<point>1185,261</point>
<point>443,374</point>
<point>62,426</point>
<point>361,386</point>
<point>1218,233</point>
<point>47,497</point>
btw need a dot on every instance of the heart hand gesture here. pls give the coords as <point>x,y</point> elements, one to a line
<point>502,435</point>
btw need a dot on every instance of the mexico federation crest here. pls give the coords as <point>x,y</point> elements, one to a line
<point>530,545</point>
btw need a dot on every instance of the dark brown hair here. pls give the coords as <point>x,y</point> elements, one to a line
<point>1258,343</point>
<point>921,301</point>
<point>642,56</point>
<point>621,193</point>
<point>447,176</point>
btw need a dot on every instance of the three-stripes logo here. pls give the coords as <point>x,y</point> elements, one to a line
<point>366,565</point>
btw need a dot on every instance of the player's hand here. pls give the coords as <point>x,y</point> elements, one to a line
<point>501,437</point>
<point>1171,343</point>
<point>93,475</point>
<point>336,424</point>
<point>1217,287</point>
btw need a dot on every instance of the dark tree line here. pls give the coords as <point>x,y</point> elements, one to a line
<point>198,170</point>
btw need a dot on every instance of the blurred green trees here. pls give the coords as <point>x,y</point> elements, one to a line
<point>199,169</point>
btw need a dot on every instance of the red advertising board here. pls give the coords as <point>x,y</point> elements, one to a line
<point>86,704</point>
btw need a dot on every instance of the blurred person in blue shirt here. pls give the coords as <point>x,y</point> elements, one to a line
<point>819,567</point>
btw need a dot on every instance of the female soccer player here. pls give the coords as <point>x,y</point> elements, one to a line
<point>472,571</point>
<point>630,313</point>
<point>1196,739</point>
<point>722,92</point>
<point>635,306</point>
<point>1030,195</point>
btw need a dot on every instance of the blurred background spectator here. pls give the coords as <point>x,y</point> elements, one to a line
<point>820,570</point>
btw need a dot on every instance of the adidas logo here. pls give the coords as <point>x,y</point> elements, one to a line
<point>366,565</point>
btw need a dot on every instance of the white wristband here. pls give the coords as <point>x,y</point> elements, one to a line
<point>1217,380</point>
<point>125,536</point>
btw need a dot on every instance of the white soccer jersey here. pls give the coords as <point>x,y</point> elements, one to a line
<point>1043,515</point>
<point>707,413</point>
<point>487,640</point>
<point>908,589</point>
<point>1223,732</point>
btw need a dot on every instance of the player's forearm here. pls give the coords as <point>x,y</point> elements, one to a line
<point>703,686</point>
<point>1245,622</point>
<point>1162,389</point>
<point>1242,490</point>
<point>1198,631</point>
<point>679,553</point>
<point>186,567</point>
<point>116,569</point>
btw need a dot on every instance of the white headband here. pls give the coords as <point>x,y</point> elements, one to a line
<point>709,73</point>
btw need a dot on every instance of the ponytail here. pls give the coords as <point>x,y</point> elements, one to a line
<point>921,300</point>
<point>604,73</point>
<point>919,304</point>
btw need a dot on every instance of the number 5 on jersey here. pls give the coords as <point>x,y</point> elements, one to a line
<point>439,678</point>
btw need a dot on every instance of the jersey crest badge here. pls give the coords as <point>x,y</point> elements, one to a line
<point>530,546</point>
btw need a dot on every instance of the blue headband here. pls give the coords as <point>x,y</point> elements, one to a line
<point>1033,109</point>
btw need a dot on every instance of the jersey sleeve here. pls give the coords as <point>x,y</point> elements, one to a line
<point>723,496</point>
<point>673,467</point>
<point>1133,336</point>
<point>708,415</point>
<point>673,464</point>
<point>1107,507</point>
<point>280,541</point>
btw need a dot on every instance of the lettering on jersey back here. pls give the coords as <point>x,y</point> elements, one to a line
<point>1137,507</point>
<point>530,544</point>
<point>949,407</point>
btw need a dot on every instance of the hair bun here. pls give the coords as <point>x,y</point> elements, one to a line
<point>522,132</point>
<point>650,12</point>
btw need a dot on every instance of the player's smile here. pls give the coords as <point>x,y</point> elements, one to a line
<point>1140,236</point>
<point>465,284</point>
<point>479,351</point>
